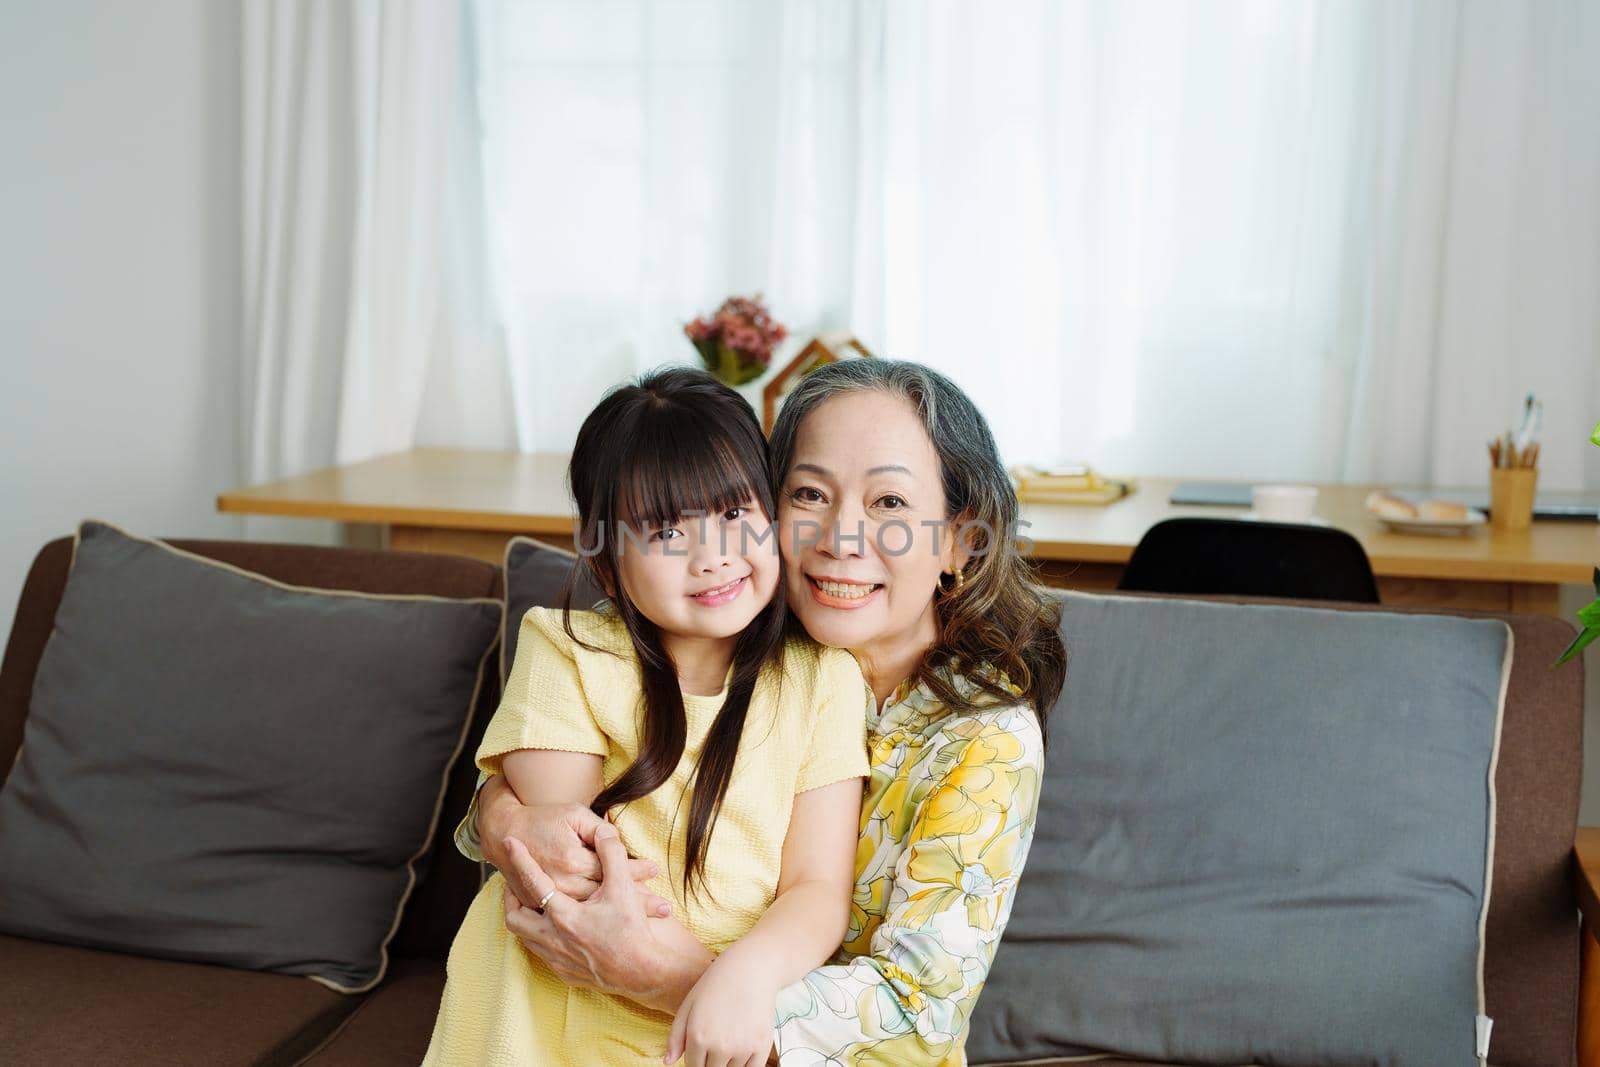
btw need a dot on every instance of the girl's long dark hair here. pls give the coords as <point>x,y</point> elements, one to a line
<point>671,444</point>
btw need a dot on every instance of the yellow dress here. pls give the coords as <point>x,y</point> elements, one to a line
<point>805,729</point>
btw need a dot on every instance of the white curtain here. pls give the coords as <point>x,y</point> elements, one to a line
<point>1116,224</point>
<point>1324,239</point>
<point>1473,226</point>
<point>361,205</point>
<point>646,160</point>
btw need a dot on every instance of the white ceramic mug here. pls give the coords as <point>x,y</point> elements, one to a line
<point>1284,503</point>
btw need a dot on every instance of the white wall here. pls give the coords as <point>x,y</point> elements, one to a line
<point>119,269</point>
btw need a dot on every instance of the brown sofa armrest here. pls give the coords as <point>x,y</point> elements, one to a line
<point>1586,884</point>
<point>1586,875</point>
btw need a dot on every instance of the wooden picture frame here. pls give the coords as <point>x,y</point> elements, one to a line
<point>829,348</point>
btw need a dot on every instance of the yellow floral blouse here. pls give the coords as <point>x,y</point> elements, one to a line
<point>945,829</point>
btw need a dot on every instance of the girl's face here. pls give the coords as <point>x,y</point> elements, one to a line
<point>861,524</point>
<point>704,577</point>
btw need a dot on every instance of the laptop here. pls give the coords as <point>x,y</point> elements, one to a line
<point>1222,494</point>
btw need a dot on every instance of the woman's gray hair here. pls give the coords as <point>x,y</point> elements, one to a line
<point>974,476</point>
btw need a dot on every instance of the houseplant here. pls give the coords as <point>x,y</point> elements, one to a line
<point>736,341</point>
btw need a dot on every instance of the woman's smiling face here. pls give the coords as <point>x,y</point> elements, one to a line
<point>861,524</point>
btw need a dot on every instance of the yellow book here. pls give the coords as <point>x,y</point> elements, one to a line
<point>1075,484</point>
<point>1109,490</point>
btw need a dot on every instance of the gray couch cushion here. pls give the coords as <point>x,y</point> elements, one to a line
<point>221,768</point>
<point>1264,837</point>
<point>535,575</point>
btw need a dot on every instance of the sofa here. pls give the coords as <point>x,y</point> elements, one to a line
<point>64,1004</point>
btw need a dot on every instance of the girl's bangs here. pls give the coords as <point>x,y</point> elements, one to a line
<point>664,480</point>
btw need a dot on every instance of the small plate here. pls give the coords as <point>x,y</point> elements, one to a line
<point>1474,519</point>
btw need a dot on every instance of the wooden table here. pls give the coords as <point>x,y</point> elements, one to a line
<point>469,502</point>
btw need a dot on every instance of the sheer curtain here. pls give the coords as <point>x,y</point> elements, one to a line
<point>647,159</point>
<point>1246,238</point>
<point>362,202</point>
<point>1474,229</point>
<point>1118,224</point>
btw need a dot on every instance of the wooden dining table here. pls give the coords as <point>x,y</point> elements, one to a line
<point>471,501</point>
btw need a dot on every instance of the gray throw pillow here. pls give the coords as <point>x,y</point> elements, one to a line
<point>535,574</point>
<point>222,768</point>
<point>1264,837</point>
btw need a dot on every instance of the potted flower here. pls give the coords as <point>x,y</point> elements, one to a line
<point>736,341</point>
<point>1589,616</point>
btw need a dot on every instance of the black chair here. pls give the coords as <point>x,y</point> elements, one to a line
<point>1240,557</point>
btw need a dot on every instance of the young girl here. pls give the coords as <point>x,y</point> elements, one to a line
<point>720,748</point>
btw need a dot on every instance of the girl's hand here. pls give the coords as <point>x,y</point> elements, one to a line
<point>727,1018</point>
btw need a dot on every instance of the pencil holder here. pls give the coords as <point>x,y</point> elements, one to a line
<point>1511,492</point>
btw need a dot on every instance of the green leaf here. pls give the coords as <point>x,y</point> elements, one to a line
<point>1595,437</point>
<point>1579,643</point>
<point>1590,615</point>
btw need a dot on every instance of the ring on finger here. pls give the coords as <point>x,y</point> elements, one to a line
<point>539,907</point>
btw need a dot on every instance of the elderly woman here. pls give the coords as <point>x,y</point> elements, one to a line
<point>897,526</point>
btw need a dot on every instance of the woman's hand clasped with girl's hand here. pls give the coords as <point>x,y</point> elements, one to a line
<point>606,942</point>
<point>724,1012</point>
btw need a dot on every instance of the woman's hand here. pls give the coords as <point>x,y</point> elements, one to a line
<point>606,942</point>
<point>560,837</point>
<point>727,1018</point>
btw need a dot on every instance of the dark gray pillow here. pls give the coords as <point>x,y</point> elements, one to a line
<point>1264,837</point>
<point>535,574</point>
<point>222,768</point>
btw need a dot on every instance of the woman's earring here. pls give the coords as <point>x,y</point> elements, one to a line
<point>954,588</point>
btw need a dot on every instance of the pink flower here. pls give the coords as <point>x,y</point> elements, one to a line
<point>744,325</point>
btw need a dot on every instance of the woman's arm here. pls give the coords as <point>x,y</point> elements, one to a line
<point>542,799</point>
<point>728,1014</point>
<point>908,994</point>
<point>559,835</point>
